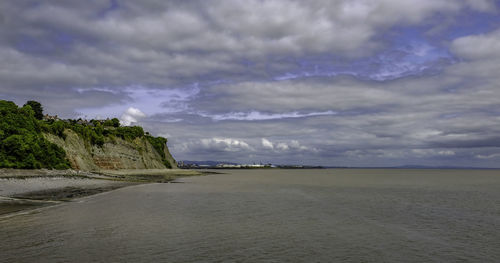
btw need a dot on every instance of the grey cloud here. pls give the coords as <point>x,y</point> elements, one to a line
<point>171,43</point>
<point>339,139</point>
<point>285,96</point>
<point>485,46</point>
<point>412,127</point>
<point>204,36</point>
<point>85,55</point>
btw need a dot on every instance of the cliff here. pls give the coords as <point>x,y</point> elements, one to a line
<point>115,153</point>
<point>31,140</point>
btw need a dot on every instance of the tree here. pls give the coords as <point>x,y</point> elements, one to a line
<point>37,108</point>
<point>108,123</point>
<point>22,144</point>
<point>116,122</point>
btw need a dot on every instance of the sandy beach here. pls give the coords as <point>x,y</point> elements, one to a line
<point>26,189</point>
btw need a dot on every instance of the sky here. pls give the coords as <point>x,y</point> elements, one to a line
<point>318,82</point>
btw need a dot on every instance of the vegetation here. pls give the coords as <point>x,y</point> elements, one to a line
<point>159,143</point>
<point>112,123</point>
<point>23,145</point>
<point>128,133</point>
<point>21,142</point>
<point>94,131</point>
<point>37,108</point>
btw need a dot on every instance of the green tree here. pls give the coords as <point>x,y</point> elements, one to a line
<point>108,123</point>
<point>116,122</point>
<point>22,144</point>
<point>37,108</point>
<point>58,129</point>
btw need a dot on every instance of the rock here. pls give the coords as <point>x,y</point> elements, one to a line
<point>113,155</point>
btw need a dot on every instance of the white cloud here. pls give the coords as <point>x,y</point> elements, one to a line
<point>267,144</point>
<point>255,115</point>
<point>131,115</point>
<point>282,146</point>
<point>484,46</point>
<point>225,144</point>
<point>488,156</point>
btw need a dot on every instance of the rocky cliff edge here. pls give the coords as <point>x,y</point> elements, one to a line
<point>114,154</point>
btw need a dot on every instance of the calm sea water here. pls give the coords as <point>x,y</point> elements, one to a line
<point>273,216</point>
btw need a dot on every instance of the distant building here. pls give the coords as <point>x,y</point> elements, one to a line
<point>47,117</point>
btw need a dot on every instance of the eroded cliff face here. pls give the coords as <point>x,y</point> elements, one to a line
<point>114,154</point>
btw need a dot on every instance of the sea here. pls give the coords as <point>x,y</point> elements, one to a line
<point>272,215</point>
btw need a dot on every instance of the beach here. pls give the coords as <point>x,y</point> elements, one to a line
<point>22,189</point>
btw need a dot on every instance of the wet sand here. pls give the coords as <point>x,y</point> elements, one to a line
<point>9,205</point>
<point>29,189</point>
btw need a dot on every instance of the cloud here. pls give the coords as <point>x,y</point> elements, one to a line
<point>215,148</point>
<point>490,156</point>
<point>131,115</point>
<point>320,82</point>
<point>408,59</point>
<point>267,144</point>
<point>312,97</point>
<point>282,146</point>
<point>164,44</point>
<point>432,152</point>
<point>295,146</point>
<point>255,115</point>
<point>484,46</point>
<point>224,144</point>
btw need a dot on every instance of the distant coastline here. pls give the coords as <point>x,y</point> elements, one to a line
<point>186,164</point>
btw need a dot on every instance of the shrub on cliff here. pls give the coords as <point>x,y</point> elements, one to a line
<point>36,107</point>
<point>21,142</point>
<point>159,144</point>
<point>129,133</point>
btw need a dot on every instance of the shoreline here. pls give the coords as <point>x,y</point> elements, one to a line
<point>22,190</point>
